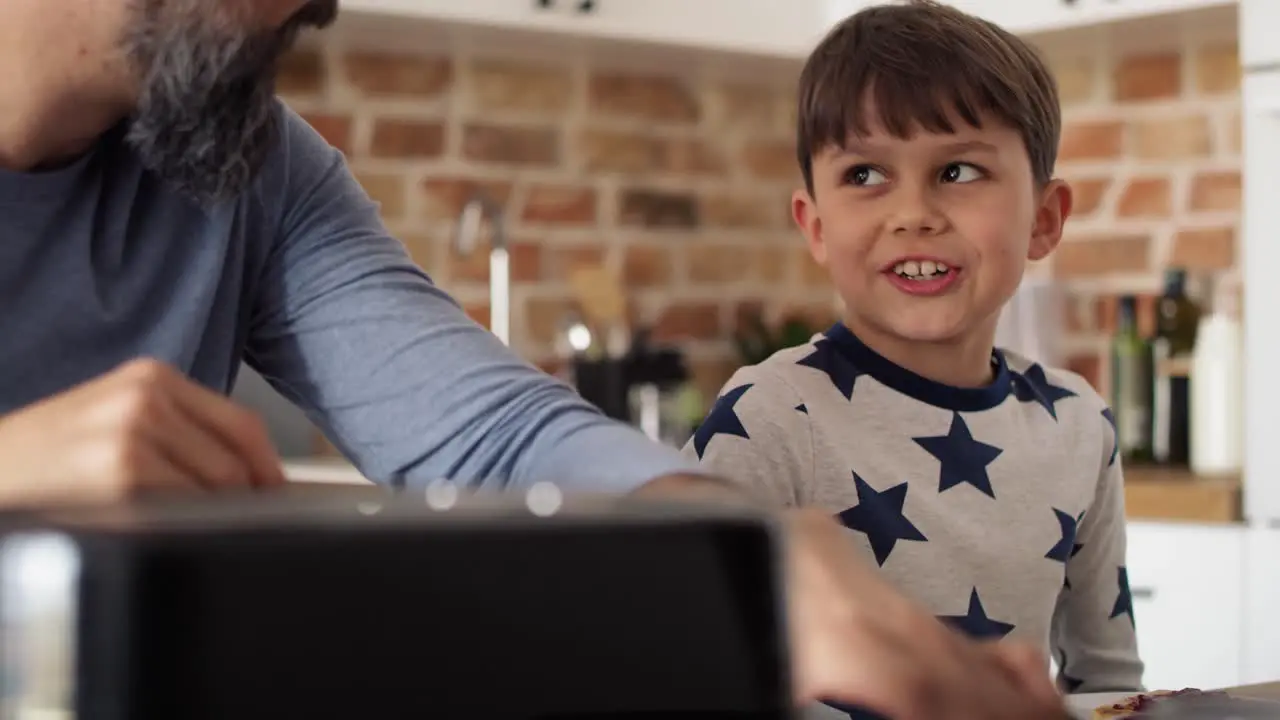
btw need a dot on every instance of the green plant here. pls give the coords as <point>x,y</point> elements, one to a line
<point>756,341</point>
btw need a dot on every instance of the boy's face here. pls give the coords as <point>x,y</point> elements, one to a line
<point>927,238</point>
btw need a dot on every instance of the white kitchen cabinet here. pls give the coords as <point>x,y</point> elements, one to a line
<point>1188,597</point>
<point>1037,16</point>
<point>1259,20</point>
<point>1262,605</point>
<point>763,27</point>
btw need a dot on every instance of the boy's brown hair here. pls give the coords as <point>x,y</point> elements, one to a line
<point>922,61</point>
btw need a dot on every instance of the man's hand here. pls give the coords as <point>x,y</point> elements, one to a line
<point>142,427</point>
<point>855,640</point>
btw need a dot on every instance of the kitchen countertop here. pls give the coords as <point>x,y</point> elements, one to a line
<point>1151,493</point>
<point>1082,705</point>
<point>1159,494</point>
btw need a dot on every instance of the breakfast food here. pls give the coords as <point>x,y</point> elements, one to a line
<point>1186,703</point>
<point>1135,704</point>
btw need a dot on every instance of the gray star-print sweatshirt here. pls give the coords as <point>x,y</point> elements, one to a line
<point>1000,509</point>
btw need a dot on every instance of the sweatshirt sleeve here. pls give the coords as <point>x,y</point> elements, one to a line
<point>757,434</point>
<point>391,368</point>
<point>1093,630</point>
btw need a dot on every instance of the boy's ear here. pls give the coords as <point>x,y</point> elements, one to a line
<point>1051,214</point>
<point>805,213</point>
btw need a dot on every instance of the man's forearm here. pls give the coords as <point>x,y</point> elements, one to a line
<point>690,487</point>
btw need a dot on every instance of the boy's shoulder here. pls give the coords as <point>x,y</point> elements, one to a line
<point>782,367</point>
<point>1031,377</point>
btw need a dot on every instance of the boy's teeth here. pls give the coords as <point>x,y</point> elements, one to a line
<point>920,269</point>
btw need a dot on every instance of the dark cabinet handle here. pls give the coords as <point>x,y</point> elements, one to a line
<point>1143,593</point>
<point>544,4</point>
<point>587,6</point>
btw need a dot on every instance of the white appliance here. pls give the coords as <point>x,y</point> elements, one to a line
<point>1260,250</point>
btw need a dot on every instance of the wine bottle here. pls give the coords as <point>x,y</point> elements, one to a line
<point>1131,385</point>
<point>1177,318</point>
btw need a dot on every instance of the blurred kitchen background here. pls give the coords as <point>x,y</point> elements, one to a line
<point>634,159</point>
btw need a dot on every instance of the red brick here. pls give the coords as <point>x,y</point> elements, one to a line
<point>444,196</point>
<point>507,86</point>
<point>608,151</point>
<point>525,263</point>
<point>658,209</point>
<point>1080,257</point>
<point>772,265</point>
<point>335,129</point>
<point>406,139</point>
<point>643,97</point>
<point>735,211</point>
<point>1148,77</point>
<point>422,251</point>
<point>560,205</point>
<point>1218,69</point>
<point>1204,249</point>
<point>647,266</point>
<point>1087,195</point>
<point>302,73</point>
<point>688,321</point>
<point>478,312</point>
<point>715,264</point>
<point>543,317</point>
<point>757,108</point>
<point>562,260</point>
<point>1146,197</point>
<point>511,145</point>
<point>1172,138</point>
<point>398,75</point>
<point>1094,140</point>
<point>388,190</point>
<point>1216,191</point>
<point>767,160</point>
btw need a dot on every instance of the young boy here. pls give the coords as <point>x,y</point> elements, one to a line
<point>985,485</point>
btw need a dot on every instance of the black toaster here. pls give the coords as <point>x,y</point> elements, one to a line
<point>383,606</point>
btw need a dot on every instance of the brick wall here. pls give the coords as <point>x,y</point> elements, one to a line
<point>682,187</point>
<point>1152,147</point>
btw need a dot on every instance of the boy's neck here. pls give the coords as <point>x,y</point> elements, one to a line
<point>962,363</point>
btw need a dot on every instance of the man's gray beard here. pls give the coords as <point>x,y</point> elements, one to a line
<point>205,121</point>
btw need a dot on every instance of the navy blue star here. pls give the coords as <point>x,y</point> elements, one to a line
<point>1072,684</point>
<point>827,359</point>
<point>975,623</point>
<point>1033,386</point>
<point>1124,601</point>
<point>802,408</point>
<point>1115,435</point>
<point>854,712</point>
<point>879,516</point>
<point>1066,548</point>
<point>722,420</point>
<point>963,459</point>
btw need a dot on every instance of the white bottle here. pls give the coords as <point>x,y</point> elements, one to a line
<point>1217,389</point>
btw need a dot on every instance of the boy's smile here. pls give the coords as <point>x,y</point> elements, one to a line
<point>927,236</point>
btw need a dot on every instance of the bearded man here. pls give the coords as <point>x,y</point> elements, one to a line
<point>163,216</point>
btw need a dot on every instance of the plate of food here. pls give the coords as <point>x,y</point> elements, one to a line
<point>1184,704</point>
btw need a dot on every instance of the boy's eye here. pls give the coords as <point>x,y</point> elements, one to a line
<point>960,173</point>
<point>864,175</point>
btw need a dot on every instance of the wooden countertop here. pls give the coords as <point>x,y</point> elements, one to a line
<point>1156,493</point>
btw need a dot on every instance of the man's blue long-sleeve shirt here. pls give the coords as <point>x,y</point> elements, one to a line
<point>100,262</point>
